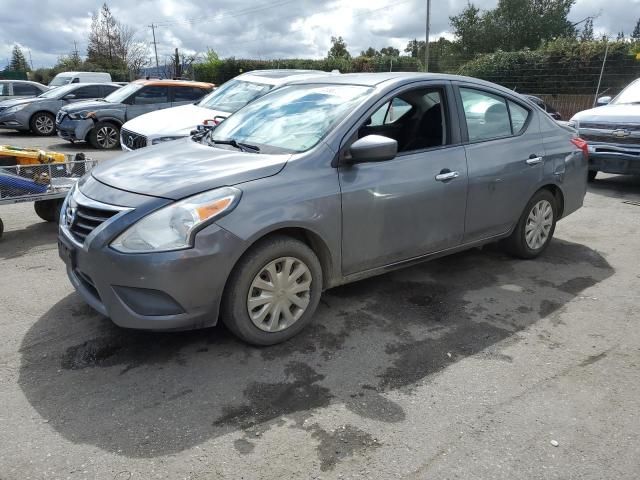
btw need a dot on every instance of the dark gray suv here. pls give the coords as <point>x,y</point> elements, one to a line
<point>318,183</point>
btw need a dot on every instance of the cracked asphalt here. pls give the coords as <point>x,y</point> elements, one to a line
<point>474,366</point>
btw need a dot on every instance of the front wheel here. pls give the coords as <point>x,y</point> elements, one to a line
<point>535,227</point>
<point>273,291</point>
<point>104,136</point>
<point>43,124</point>
<point>48,210</point>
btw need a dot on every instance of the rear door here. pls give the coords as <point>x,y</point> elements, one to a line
<point>505,155</point>
<point>408,206</point>
<point>88,92</point>
<point>148,99</point>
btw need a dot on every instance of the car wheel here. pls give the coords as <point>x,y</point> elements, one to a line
<point>535,227</point>
<point>1,228</point>
<point>273,291</point>
<point>48,210</point>
<point>43,124</point>
<point>104,136</point>
<point>591,176</point>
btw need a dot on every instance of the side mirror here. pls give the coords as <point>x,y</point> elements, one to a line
<point>604,100</point>
<point>372,148</point>
<point>69,96</point>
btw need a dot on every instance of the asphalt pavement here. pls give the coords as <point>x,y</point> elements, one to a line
<point>475,366</point>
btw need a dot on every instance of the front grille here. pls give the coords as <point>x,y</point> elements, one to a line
<point>86,220</point>
<point>630,140</point>
<point>132,140</point>
<point>632,127</point>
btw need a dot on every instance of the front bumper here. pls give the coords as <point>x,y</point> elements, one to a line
<point>618,159</point>
<point>73,130</point>
<point>13,121</point>
<point>153,291</point>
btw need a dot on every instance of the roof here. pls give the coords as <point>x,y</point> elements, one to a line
<point>174,83</point>
<point>280,76</point>
<point>5,80</point>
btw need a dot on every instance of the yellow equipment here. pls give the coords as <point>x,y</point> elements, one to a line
<point>29,156</point>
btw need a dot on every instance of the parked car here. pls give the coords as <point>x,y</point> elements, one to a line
<point>12,89</point>
<point>178,122</point>
<point>38,114</point>
<point>301,190</point>
<point>550,109</point>
<point>99,122</point>
<point>65,78</point>
<point>612,131</point>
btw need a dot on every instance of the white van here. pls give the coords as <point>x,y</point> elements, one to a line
<point>65,78</point>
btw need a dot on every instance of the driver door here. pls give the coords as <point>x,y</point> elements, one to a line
<point>399,209</point>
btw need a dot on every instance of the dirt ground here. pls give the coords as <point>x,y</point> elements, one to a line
<point>475,366</point>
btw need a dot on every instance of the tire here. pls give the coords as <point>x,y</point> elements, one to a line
<point>591,176</point>
<point>48,210</point>
<point>1,228</point>
<point>517,243</point>
<point>270,254</point>
<point>105,136</point>
<point>43,124</point>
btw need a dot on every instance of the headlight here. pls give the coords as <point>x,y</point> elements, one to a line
<point>174,226</point>
<point>81,115</point>
<point>156,141</point>
<point>15,108</point>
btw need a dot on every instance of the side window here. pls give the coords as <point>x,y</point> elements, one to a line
<point>92,91</point>
<point>4,88</point>
<point>75,80</point>
<point>151,95</point>
<point>20,89</point>
<point>185,94</point>
<point>519,116</point>
<point>107,89</point>
<point>486,115</point>
<point>423,121</point>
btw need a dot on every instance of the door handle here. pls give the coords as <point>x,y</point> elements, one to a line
<point>534,160</point>
<point>445,175</point>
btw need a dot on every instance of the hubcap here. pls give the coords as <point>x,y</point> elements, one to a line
<point>279,294</point>
<point>538,224</point>
<point>107,137</point>
<point>44,124</point>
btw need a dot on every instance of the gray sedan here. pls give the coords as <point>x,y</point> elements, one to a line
<point>318,183</point>
<point>12,89</point>
<point>38,114</point>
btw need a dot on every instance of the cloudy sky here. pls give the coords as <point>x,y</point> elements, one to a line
<point>255,28</point>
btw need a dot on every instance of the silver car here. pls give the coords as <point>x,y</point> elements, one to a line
<point>12,89</point>
<point>38,114</point>
<point>316,184</point>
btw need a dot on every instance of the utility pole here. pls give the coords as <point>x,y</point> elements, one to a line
<point>155,47</point>
<point>75,48</point>
<point>604,61</point>
<point>426,39</point>
<point>30,60</point>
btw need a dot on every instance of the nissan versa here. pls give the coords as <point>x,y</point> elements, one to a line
<point>313,185</point>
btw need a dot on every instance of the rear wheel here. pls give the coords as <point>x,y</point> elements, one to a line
<point>48,210</point>
<point>104,136</point>
<point>535,227</point>
<point>43,124</point>
<point>1,228</point>
<point>592,175</point>
<point>273,291</point>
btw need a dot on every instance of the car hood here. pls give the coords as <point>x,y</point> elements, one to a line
<point>171,121</point>
<point>610,113</point>
<point>19,101</point>
<point>182,168</point>
<point>89,105</point>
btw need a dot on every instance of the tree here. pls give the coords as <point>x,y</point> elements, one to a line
<point>587,31</point>
<point>338,48</point>
<point>636,31</point>
<point>512,25</point>
<point>18,61</point>
<point>370,52</point>
<point>390,52</point>
<point>413,48</point>
<point>621,36</point>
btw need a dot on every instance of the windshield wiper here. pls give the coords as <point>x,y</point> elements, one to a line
<point>244,147</point>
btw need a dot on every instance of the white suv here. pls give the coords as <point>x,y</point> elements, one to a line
<point>178,122</point>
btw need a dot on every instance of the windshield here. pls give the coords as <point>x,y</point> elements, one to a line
<point>123,93</point>
<point>233,95</point>
<point>59,80</point>
<point>631,94</point>
<point>58,92</point>
<point>293,118</point>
